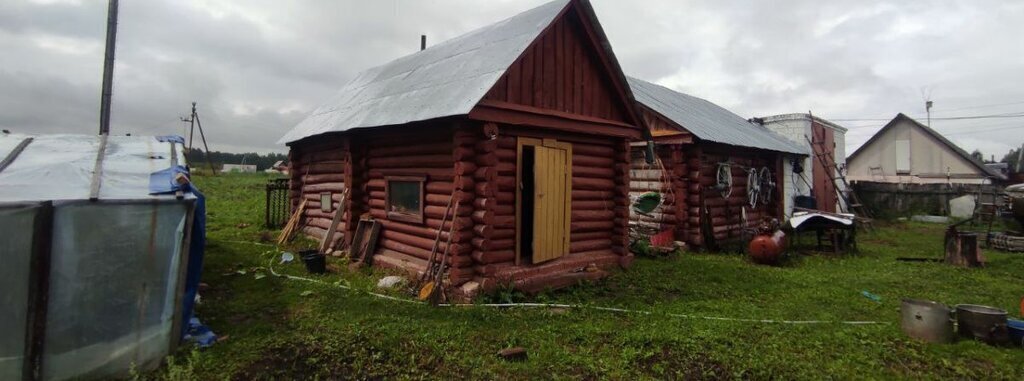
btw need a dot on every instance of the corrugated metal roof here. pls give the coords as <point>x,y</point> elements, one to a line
<point>708,121</point>
<point>444,80</point>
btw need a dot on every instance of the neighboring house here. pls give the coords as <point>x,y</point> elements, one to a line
<point>698,143</point>
<point>828,141</point>
<point>525,123</point>
<point>238,168</point>
<point>906,151</point>
<point>279,166</point>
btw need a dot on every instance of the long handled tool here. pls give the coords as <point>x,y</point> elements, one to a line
<point>435,294</point>
<point>437,241</point>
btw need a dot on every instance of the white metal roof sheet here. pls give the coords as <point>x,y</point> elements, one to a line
<point>444,80</point>
<point>708,121</point>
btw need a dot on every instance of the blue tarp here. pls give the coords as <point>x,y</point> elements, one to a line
<point>195,259</point>
<point>163,181</point>
<point>171,138</point>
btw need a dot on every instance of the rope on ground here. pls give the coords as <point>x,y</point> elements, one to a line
<point>270,267</point>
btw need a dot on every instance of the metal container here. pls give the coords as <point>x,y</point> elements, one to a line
<point>927,320</point>
<point>987,324</point>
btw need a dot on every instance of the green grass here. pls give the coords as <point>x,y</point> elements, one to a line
<point>275,329</point>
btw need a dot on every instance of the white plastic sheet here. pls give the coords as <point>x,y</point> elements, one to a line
<point>17,222</point>
<point>112,287</point>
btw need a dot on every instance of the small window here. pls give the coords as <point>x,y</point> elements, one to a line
<point>404,196</point>
<point>325,202</point>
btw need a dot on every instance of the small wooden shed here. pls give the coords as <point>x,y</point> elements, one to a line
<point>526,123</point>
<point>708,155</point>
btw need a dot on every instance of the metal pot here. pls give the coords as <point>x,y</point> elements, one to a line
<point>984,323</point>
<point>927,320</point>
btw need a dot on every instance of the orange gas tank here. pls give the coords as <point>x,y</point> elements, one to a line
<point>765,249</point>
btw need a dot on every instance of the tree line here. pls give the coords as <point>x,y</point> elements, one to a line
<point>197,158</point>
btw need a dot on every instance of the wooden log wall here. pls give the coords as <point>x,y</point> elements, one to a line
<point>446,161</point>
<point>670,179</point>
<point>600,198</point>
<point>726,213</point>
<point>317,167</point>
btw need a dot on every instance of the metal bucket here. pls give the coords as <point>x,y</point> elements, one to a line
<point>983,323</point>
<point>927,320</point>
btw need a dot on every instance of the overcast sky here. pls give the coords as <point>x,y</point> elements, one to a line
<point>257,67</point>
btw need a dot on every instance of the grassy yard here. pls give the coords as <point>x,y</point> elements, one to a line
<point>277,328</point>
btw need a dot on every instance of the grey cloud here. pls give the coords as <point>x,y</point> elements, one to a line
<point>257,67</point>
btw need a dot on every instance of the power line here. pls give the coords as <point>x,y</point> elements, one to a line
<point>981,106</point>
<point>1016,114</point>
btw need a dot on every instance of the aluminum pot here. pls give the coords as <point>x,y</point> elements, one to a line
<point>987,324</point>
<point>927,320</point>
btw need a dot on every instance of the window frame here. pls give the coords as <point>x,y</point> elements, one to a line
<point>417,218</point>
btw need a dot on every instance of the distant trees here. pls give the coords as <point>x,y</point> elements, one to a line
<point>197,158</point>
<point>1012,158</point>
<point>977,155</point>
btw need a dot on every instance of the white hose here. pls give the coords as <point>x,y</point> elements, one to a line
<point>574,306</point>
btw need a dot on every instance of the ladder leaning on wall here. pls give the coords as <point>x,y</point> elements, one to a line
<point>849,197</point>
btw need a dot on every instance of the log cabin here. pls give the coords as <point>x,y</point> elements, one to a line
<point>525,123</point>
<point>706,156</point>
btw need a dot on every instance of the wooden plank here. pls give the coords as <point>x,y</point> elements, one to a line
<point>556,79</point>
<point>97,170</point>
<point>14,153</point>
<point>327,239</point>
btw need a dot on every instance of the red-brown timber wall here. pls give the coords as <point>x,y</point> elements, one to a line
<point>668,177</point>
<point>561,71</point>
<point>323,165</point>
<point>599,216</point>
<point>725,214</point>
<point>440,152</point>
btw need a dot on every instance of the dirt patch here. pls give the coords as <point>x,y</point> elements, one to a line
<point>298,362</point>
<point>666,364</point>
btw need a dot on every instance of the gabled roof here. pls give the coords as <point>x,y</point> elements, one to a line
<point>708,121</point>
<point>942,140</point>
<point>447,79</point>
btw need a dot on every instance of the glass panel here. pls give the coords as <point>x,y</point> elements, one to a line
<point>404,197</point>
<point>15,254</point>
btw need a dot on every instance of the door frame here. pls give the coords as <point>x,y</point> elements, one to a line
<point>549,143</point>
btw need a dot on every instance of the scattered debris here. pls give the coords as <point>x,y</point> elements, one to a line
<point>306,293</point>
<point>471,289</point>
<point>242,225</point>
<point>260,276</point>
<point>513,354</point>
<point>287,257</point>
<point>200,334</point>
<point>392,281</point>
<point>873,297</point>
<point>265,236</point>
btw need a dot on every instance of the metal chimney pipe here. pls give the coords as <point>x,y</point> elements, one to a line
<point>423,42</point>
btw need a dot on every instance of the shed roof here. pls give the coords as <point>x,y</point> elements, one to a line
<point>60,167</point>
<point>935,134</point>
<point>708,121</point>
<point>447,79</point>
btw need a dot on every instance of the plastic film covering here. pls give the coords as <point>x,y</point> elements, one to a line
<point>60,167</point>
<point>112,287</point>
<point>15,253</point>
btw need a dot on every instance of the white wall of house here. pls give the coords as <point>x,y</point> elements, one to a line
<point>905,153</point>
<point>797,127</point>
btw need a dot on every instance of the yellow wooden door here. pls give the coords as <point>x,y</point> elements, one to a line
<point>551,211</point>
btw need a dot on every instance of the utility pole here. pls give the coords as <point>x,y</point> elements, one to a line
<point>193,120</point>
<point>928,109</point>
<point>108,68</point>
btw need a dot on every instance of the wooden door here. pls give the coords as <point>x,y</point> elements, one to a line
<point>824,167</point>
<point>552,199</point>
